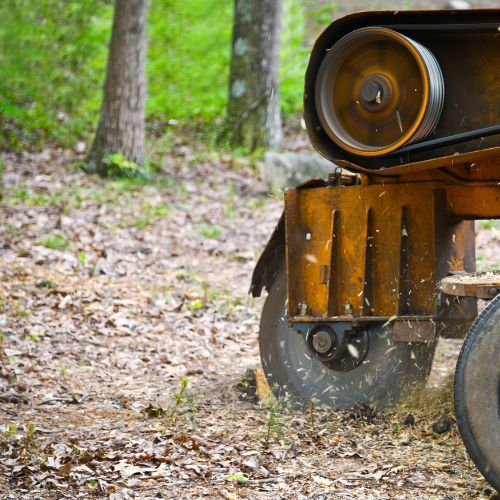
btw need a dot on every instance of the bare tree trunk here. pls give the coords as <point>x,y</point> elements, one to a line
<point>253,107</point>
<point>121,126</point>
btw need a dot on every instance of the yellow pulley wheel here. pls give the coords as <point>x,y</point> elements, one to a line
<point>378,90</point>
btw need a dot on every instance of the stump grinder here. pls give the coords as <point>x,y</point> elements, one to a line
<point>365,270</point>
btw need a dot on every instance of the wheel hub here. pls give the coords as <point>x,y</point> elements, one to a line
<point>323,341</point>
<point>338,349</point>
<point>375,92</point>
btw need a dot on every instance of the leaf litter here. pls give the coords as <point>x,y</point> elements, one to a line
<point>128,345</point>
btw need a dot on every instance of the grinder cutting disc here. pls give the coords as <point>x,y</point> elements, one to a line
<point>378,90</point>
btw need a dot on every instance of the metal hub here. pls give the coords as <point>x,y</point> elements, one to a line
<point>322,341</point>
<point>340,350</point>
<point>375,92</point>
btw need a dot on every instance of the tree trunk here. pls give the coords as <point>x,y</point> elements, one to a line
<point>122,123</point>
<point>253,106</point>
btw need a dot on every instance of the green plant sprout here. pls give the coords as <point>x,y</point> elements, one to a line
<point>274,423</point>
<point>238,477</point>
<point>179,397</point>
<point>54,241</point>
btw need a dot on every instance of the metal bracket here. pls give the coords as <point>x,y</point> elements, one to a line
<point>484,286</point>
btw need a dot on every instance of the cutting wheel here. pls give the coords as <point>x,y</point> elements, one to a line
<point>477,392</point>
<point>378,90</point>
<point>387,373</point>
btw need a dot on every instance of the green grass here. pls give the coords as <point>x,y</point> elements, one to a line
<point>109,192</point>
<point>208,231</point>
<point>53,57</point>
<point>54,241</point>
<point>489,224</point>
<point>294,56</point>
<point>53,64</point>
<point>12,231</point>
<point>23,196</point>
<point>56,197</point>
<point>46,284</point>
<point>188,59</point>
<point>150,215</point>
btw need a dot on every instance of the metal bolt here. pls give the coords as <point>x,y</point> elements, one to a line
<point>348,309</point>
<point>302,309</point>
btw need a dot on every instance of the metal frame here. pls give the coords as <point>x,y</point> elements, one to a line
<point>378,250</point>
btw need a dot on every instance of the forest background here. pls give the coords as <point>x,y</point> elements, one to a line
<point>53,63</point>
<point>52,71</point>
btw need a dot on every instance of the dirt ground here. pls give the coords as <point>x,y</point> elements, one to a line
<point>126,331</point>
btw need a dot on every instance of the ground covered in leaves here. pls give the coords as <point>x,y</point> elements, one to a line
<point>126,332</point>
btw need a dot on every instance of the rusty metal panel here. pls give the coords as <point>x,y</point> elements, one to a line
<point>380,249</point>
<point>474,202</point>
<point>414,331</point>
<point>307,248</point>
<point>371,238</point>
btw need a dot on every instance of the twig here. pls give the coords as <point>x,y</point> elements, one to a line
<point>348,478</point>
<point>274,479</point>
<point>60,399</point>
<point>12,398</point>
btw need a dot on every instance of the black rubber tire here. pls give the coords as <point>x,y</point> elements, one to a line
<point>386,376</point>
<point>477,392</point>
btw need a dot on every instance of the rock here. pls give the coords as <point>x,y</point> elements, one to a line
<point>282,170</point>
<point>80,147</point>
<point>458,5</point>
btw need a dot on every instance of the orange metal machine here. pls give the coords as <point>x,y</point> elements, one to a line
<point>366,269</point>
